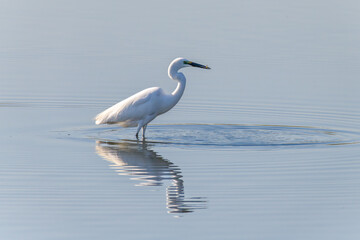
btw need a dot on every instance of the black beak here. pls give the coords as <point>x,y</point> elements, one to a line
<point>198,65</point>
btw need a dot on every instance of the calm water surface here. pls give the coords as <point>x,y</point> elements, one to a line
<point>264,146</point>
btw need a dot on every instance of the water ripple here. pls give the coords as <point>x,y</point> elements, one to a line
<point>227,135</point>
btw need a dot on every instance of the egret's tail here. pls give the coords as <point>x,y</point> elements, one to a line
<point>98,120</point>
<point>101,118</point>
<point>104,118</point>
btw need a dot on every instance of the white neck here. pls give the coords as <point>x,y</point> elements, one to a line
<point>178,92</point>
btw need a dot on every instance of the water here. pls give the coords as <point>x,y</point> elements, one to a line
<point>265,145</point>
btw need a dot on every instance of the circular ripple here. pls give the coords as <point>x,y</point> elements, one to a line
<point>231,135</point>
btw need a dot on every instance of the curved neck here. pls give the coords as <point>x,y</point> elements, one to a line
<point>177,93</point>
<point>179,90</point>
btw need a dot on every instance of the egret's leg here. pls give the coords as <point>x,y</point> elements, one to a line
<point>144,129</point>
<point>138,130</point>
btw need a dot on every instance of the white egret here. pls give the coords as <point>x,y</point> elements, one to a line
<point>143,107</point>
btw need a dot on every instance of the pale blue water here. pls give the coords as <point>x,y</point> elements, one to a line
<point>265,145</point>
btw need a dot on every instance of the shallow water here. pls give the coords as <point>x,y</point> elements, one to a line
<point>264,146</point>
<point>232,135</point>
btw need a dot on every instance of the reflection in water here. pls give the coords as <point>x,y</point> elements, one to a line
<point>150,169</point>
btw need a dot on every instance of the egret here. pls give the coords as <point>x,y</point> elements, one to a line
<point>143,107</point>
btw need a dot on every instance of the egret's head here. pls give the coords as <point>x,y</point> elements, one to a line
<point>179,63</point>
<point>182,62</point>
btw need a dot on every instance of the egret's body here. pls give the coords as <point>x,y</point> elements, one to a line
<point>141,108</point>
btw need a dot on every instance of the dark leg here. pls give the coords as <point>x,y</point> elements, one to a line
<point>144,129</point>
<point>137,131</point>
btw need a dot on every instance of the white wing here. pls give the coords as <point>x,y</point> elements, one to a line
<point>130,111</point>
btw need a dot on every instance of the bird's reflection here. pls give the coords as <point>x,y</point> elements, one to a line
<point>148,168</point>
